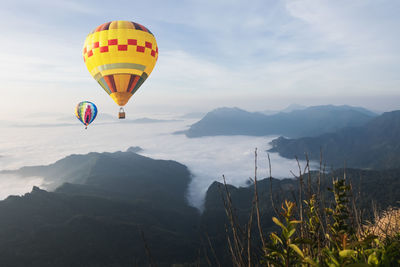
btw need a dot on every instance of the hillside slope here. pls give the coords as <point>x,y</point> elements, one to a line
<point>374,145</point>
<point>98,221</point>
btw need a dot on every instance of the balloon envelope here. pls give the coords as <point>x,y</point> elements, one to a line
<point>120,55</point>
<point>86,112</point>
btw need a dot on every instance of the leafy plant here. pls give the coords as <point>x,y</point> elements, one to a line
<point>318,229</point>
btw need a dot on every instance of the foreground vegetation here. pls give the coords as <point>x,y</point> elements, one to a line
<point>314,229</point>
<point>137,215</point>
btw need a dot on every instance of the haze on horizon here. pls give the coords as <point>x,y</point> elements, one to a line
<point>266,55</point>
<point>207,158</point>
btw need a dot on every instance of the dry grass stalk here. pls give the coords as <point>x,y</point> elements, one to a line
<point>240,240</point>
<point>256,200</point>
<point>236,245</point>
<point>300,202</point>
<point>249,237</point>
<point>270,187</point>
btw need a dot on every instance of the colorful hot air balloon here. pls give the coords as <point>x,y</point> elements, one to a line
<point>120,55</point>
<point>86,112</point>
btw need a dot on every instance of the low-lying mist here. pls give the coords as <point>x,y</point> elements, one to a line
<point>208,158</point>
<point>15,185</point>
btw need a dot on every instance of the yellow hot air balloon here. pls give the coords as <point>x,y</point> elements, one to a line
<point>120,55</point>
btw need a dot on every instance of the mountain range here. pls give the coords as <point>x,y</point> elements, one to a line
<point>95,218</point>
<point>110,206</point>
<point>374,145</point>
<point>311,121</point>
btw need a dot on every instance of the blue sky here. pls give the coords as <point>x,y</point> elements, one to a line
<point>256,55</point>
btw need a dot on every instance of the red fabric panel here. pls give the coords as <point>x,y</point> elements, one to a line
<point>122,47</point>
<point>132,42</point>
<point>113,42</point>
<point>103,49</point>
<point>109,79</point>
<point>132,83</point>
<point>140,48</point>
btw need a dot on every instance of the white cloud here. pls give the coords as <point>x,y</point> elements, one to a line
<point>357,27</point>
<point>216,51</point>
<point>208,158</point>
<point>15,185</point>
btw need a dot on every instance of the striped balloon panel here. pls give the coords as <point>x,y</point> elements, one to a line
<point>120,55</point>
<point>86,112</point>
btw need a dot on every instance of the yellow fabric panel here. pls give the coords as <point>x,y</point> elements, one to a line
<point>121,98</point>
<point>103,58</point>
<point>113,25</point>
<point>115,56</point>
<point>90,61</point>
<point>122,81</point>
<point>122,24</point>
<point>85,55</point>
<point>96,60</point>
<point>123,39</point>
<point>112,34</point>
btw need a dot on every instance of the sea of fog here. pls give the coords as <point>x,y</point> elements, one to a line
<point>36,142</point>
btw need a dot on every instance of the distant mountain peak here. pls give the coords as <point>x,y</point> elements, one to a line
<point>134,149</point>
<point>293,107</point>
<point>36,189</point>
<point>310,121</point>
<point>227,109</point>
